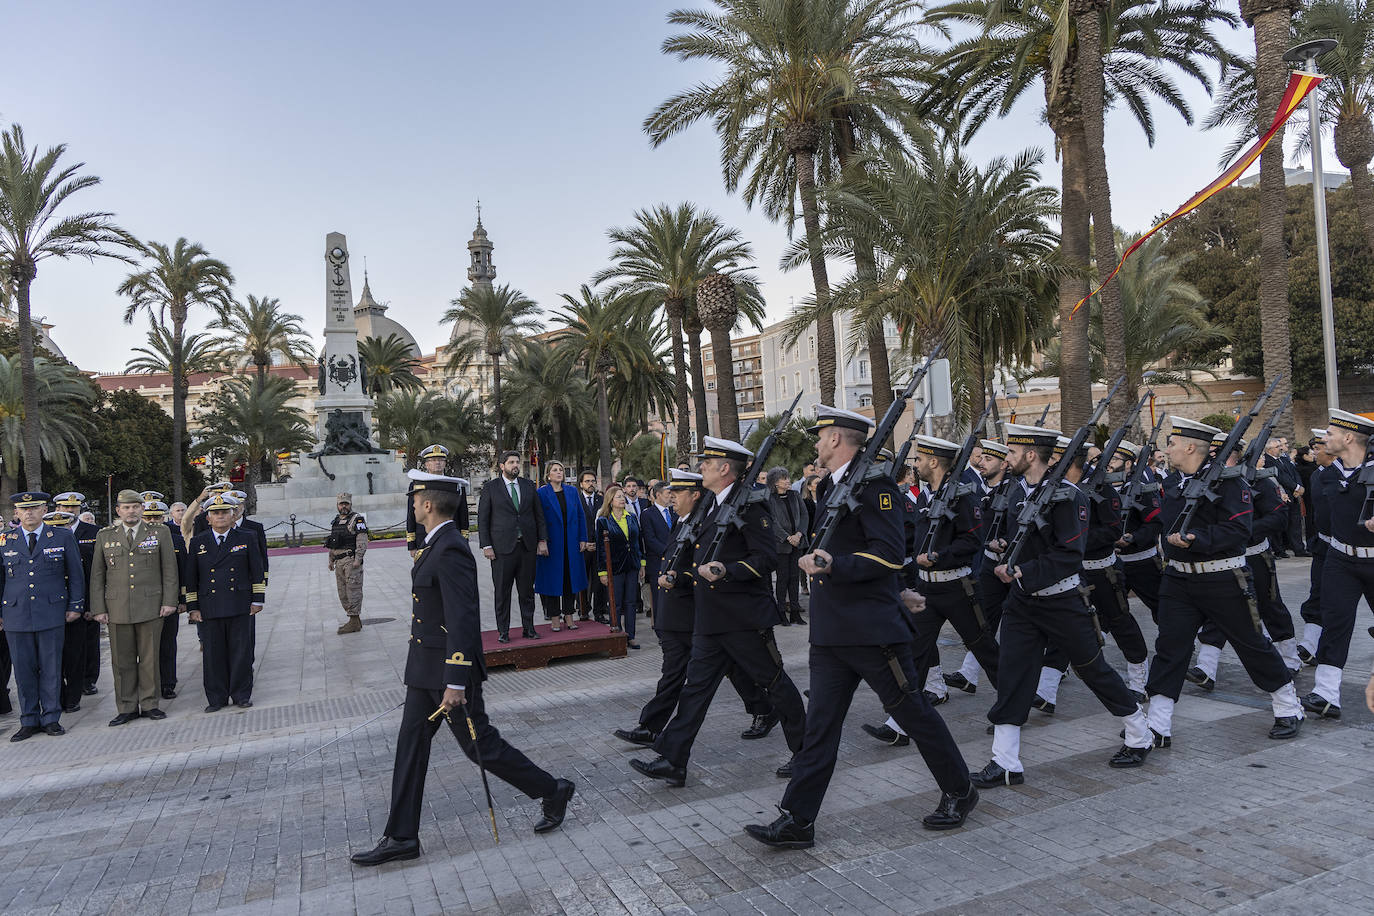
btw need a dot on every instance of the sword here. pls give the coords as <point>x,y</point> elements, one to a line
<point>472,733</point>
<point>347,733</point>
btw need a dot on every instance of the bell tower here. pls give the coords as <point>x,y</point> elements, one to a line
<point>480,271</point>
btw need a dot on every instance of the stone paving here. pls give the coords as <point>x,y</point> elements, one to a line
<point>227,813</point>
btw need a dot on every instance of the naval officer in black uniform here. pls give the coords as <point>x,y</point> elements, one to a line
<point>445,669</point>
<point>434,460</point>
<point>860,632</point>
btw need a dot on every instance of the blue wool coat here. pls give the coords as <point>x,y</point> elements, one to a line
<point>548,571</point>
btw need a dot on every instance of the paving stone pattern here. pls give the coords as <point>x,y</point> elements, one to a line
<point>230,812</point>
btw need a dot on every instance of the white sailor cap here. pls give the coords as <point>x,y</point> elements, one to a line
<point>1344,419</point>
<point>683,480</point>
<point>1029,435</point>
<point>1192,429</point>
<point>940,448</point>
<point>423,480</point>
<point>1317,434</point>
<point>1063,442</point>
<point>1127,450</point>
<point>827,417</point>
<point>724,448</point>
<point>994,447</point>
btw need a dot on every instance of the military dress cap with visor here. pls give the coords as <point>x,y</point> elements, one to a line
<point>1030,435</point>
<point>1344,419</point>
<point>826,417</point>
<point>221,501</point>
<point>992,446</point>
<point>220,486</point>
<point>423,481</point>
<point>128,496</point>
<point>69,500</point>
<point>240,495</point>
<point>30,499</point>
<point>433,451</point>
<point>683,480</point>
<point>58,519</point>
<point>154,508</point>
<point>724,448</point>
<point>150,496</point>
<point>1191,429</point>
<point>940,448</point>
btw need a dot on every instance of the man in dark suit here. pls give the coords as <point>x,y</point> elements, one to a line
<point>226,585</point>
<point>85,630</point>
<point>655,528</point>
<point>44,590</point>
<point>445,671</point>
<point>593,600</point>
<point>154,513</point>
<point>511,532</point>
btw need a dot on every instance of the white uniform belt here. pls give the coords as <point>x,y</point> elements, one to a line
<point>1058,588</point>
<point>1256,549</point>
<point>1325,537</point>
<point>1142,555</point>
<point>1104,563</point>
<point>944,575</point>
<point>1208,566</point>
<point>991,554</point>
<point>1364,553</point>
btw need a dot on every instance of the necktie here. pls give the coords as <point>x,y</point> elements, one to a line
<point>219,540</point>
<point>515,495</point>
<point>128,536</point>
<point>33,539</point>
<point>667,517</point>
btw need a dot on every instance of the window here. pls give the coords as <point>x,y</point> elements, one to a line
<point>811,346</point>
<point>711,385</point>
<point>863,368</point>
<point>865,400</point>
<point>782,386</point>
<point>813,376</point>
<point>796,377</point>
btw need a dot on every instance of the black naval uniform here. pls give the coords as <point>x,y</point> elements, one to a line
<point>171,624</point>
<point>1347,573</point>
<point>446,648</point>
<point>1045,607</point>
<point>955,598</point>
<point>992,591</point>
<point>1311,609</point>
<point>78,671</point>
<point>1190,597</point>
<point>223,582</point>
<point>860,631</point>
<point>735,617</point>
<point>415,533</point>
<point>1140,560</point>
<point>85,534</point>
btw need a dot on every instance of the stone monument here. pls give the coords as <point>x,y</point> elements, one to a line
<point>346,459</point>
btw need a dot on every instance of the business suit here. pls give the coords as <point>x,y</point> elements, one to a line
<point>86,534</point>
<point>223,582</point>
<point>656,532</point>
<point>593,599</point>
<point>41,586</point>
<point>446,649</point>
<point>131,584</point>
<point>167,641</point>
<point>513,533</point>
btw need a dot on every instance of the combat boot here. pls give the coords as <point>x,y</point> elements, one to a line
<point>355,623</point>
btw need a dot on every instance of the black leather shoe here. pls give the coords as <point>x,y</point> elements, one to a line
<point>90,690</point>
<point>992,775</point>
<point>1043,705</point>
<point>504,637</point>
<point>933,698</point>
<point>531,634</point>
<point>244,704</point>
<point>660,768</point>
<point>1196,675</point>
<point>886,734</point>
<point>798,619</point>
<point>785,771</point>
<point>123,718</point>
<point>388,850</point>
<point>952,811</point>
<point>556,806</point>
<point>784,622</point>
<point>214,707</point>
<point>169,693</point>
<point>637,735</point>
<point>958,680</point>
<point>75,707</point>
<point>1307,658</point>
<point>25,733</point>
<point>1129,757</point>
<point>153,714</point>
<point>1314,703</point>
<point>784,833</point>
<point>1285,727</point>
<point>54,729</point>
<point>761,727</point>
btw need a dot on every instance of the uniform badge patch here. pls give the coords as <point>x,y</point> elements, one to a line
<point>884,501</point>
<point>764,521</point>
<point>1245,496</point>
<point>1082,513</point>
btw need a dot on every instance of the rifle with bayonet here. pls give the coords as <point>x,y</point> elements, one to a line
<point>941,509</point>
<point>1043,414</point>
<point>1036,509</point>
<point>905,450</point>
<point>1136,485</point>
<point>1253,452</point>
<point>1093,486</point>
<point>843,498</point>
<point>1205,483</point>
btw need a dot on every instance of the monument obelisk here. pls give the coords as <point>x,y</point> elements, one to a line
<point>341,371</point>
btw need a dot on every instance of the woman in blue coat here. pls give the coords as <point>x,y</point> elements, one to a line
<point>559,576</point>
<point>624,566</point>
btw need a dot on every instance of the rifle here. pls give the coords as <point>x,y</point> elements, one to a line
<point>730,513</point>
<point>1043,414</point>
<point>1093,485</point>
<point>1136,485</point>
<point>1203,485</point>
<point>905,450</point>
<point>844,498</point>
<point>941,508</point>
<point>1250,461</point>
<point>1035,509</point>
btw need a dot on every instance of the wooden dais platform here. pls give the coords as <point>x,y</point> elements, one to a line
<point>590,638</point>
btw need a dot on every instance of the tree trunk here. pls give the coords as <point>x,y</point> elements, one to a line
<point>1091,93</point>
<point>496,398</point>
<point>805,159</point>
<point>1272,31</point>
<point>250,487</point>
<point>1355,149</point>
<point>23,275</point>
<point>698,386</point>
<point>603,429</point>
<point>178,397</point>
<point>726,409</point>
<point>676,309</point>
<point>1075,377</point>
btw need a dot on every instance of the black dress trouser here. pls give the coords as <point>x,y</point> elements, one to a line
<point>1273,613</point>
<point>73,662</point>
<point>1108,599</point>
<point>754,653</point>
<point>227,659</point>
<point>92,652</point>
<point>1311,609</point>
<point>950,601</point>
<point>677,652</point>
<point>1142,579</point>
<point>412,756</point>
<point>514,569</point>
<point>1345,580</point>
<point>167,650</point>
<point>835,674</point>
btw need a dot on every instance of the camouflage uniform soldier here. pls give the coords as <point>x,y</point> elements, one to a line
<point>347,542</point>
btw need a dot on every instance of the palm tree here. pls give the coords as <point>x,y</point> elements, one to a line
<point>253,422</point>
<point>260,333</point>
<point>717,305</point>
<point>409,419</point>
<point>391,364</point>
<point>66,400</point>
<point>548,397</point>
<point>788,67</point>
<point>180,277</point>
<point>489,320</point>
<point>647,385</point>
<point>692,327</point>
<point>593,334</point>
<point>33,189</point>
<point>199,353</point>
<point>664,255</point>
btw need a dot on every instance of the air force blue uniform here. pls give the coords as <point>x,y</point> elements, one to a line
<point>41,586</point>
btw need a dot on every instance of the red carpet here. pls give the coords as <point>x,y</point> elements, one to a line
<point>590,638</point>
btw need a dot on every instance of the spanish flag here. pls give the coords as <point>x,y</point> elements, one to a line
<point>1299,85</point>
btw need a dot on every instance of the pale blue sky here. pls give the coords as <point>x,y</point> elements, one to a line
<point>257,127</point>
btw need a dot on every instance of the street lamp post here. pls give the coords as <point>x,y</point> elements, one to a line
<point>1306,54</point>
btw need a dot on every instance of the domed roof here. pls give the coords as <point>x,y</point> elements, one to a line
<point>369,316</point>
